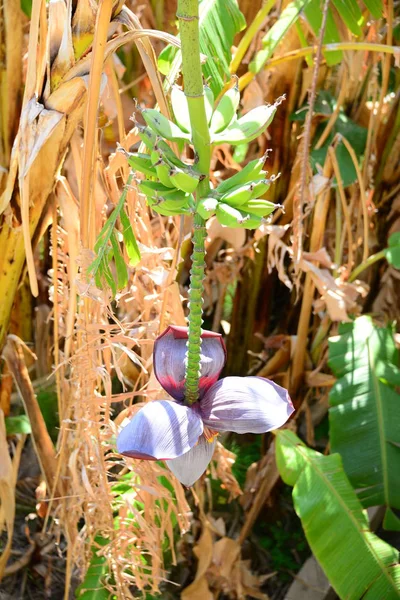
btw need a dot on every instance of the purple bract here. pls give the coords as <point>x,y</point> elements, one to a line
<point>184,436</point>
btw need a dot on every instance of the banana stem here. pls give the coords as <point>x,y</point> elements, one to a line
<point>188,16</point>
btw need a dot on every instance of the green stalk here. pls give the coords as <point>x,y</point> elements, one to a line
<point>188,16</point>
<point>367,263</point>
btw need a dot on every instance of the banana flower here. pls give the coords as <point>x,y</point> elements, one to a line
<point>185,436</point>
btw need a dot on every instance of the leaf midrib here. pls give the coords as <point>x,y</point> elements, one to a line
<point>352,518</point>
<point>381,423</point>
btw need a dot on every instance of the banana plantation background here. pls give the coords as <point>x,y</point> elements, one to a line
<point>92,272</point>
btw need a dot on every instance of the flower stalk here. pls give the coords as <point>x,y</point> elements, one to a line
<point>188,16</point>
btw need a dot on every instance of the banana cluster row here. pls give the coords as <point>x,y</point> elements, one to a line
<point>237,201</point>
<point>169,183</point>
<point>225,127</point>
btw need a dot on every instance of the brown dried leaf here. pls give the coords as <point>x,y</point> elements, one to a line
<point>221,468</point>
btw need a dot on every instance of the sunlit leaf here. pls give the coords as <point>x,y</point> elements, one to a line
<point>131,246</point>
<point>357,563</point>
<point>365,409</point>
<point>277,32</point>
<point>392,253</point>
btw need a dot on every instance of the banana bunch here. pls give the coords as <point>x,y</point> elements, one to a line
<point>225,127</point>
<point>169,183</point>
<point>237,201</point>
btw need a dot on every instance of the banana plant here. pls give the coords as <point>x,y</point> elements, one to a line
<point>188,361</point>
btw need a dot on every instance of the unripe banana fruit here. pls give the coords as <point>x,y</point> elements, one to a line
<point>163,126</point>
<point>187,181</point>
<point>162,170</point>
<point>260,187</point>
<point>206,207</point>
<point>259,207</point>
<point>251,172</point>
<point>147,136</point>
<point>228,215</point>
<point>238,195</point>
<point>249,127</point>
<point>226,110</point>
<point>139,162</point>
<point>180,108</point>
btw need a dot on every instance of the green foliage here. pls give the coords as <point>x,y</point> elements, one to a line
<point>355,134</point>
<point>392,253</point>
<point>92,587</point>
<point>365,409</point>
<point>19,424</point>
<point>277,32</point>
<point>220,21</point>
<point>246,454</point>
<point>108,248</point>
<point>357,563</point>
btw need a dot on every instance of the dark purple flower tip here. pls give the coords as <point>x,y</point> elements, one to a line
<point>189,467</point>
<point>245,405</point>
<point>161,430</point>
<point>169,360</point>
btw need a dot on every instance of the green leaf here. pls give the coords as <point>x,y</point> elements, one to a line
<point>364,412</point>
<point>277,32</point>
<point>313,14</point>
<point>19,424</point>
<point>392,253</point>
<point>100,268</point>
<point>122,271</point>
<point>357,563</point>
<point>166,58</point>
<point>357,137</point>
<point>220,21</point>
<point>26,6</point>
<point>131,246</point>
<point>375,7</point>
<point>92,587</point>
<point>350,13</point>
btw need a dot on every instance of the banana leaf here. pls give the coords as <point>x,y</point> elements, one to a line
<point>220,21</point>
<point>357,563</point>
<point>364,413</point>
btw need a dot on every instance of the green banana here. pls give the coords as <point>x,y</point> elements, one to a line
<point>228,215</point>
<point>259,207</point>
<point>238,195</point>
<point>226,110</point>
<point>249,221</point>
<point>260,187</point>
<point>206,207</point>
<point>180,108</point>
<point>154,189</point>
<point>247,128</point>
<point>169,212</point>
<point>163,127</point>
<point>147,136</point>
<point>232,217</point>
<point>252,171</point>
<point>171,199</point>
<point>161,169</point>
<point>186,180</point>
<point>139,162</point>
<point>208,102</point>
<point>168,155</point>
